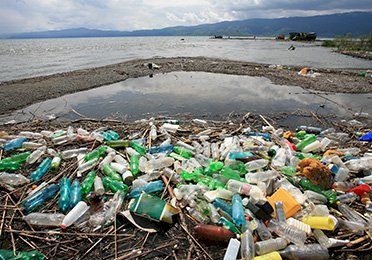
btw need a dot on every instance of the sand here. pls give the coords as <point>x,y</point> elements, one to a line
<point>17,94</point>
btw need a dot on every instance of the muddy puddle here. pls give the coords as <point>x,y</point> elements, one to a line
<point>200,94</point>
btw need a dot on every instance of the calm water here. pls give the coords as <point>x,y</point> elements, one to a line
<point>201,94</point>
<point>34,57</point>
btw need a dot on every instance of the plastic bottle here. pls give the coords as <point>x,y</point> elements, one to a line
<point>110,172</point>
<point>114,185</point>
<point>247,249</point>
<point>36,155</point>
<point>229,173</point>
<point>213,233</point>
<point>171,175</point>
<point>308,251</point>
<point>324,223</point>
<point>115,204</point>
<point>44,219</point>
<point>279,159</point>
<point>290,233</point>
<point>186,153</point>
<point>96,153</point>
<point>310,138</point>
<point>196,214</point>
<point>41,170</point>
<point>262,231</point>
<point>21,255</point>
<point>260,176</point>
<point>7,165</point>
<point>299,225</point>
<point>14,143</point>
<point>18,158</point>
<point>86,166</point>
<point>75,195</point>
<point>271,245</point>
<point>239,187</point>
<point>68,154</point>
<point>270,256</point>
<point>223,205</point>
<point>157,164</point>
<point>326,242</point>
<point>78,211</point>
<point>294,191</point>
<point>118,143</point>
<point>238,210</point>
<point>55,163</point>
<point>13,179</point>
<point>347,197</point>
<point>87,184</point>
<point>98,185</point>
<point>139,148</point>
<point>161,149</point>
<point>150,187</point>
<point>279,211</point>
<point>232,249</point>
<point>351,225</point>
<point>256,164</point>
<point>134,164</point>
<point>107,160</point>
<point>350,214</point>
<point>40,197</point>
<point>64,195</point>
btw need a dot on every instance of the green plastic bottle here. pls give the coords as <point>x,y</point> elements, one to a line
<point>64,195</point>
<point>56,162</point>
<point>228,225</point>
<point>329,194</point>
<point>134,164</point>
<point>87,184</point>
<point>118,143</point>
<point>18,158</point>
<point>114,185</point>
<point>11,166</point>
<point>230,173</point>
<point>95,154</point>
<point>186,153</point>
<point>21,255</point>
<point>110,172</point>
<point>139,148</point>
<point>288,170</point>
<point>215,166</point>
<point>306,141</point>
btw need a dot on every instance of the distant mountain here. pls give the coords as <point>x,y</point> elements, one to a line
<point>357,23</point>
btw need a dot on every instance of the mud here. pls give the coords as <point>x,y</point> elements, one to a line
<point>17,94</point>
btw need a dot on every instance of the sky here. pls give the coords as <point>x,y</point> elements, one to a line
<point>129,15</point>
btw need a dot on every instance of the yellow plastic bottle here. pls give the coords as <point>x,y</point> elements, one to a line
<point>324,223</point>
<point>270,256</point>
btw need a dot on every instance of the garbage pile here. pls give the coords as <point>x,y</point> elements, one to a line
<point>268,194</point>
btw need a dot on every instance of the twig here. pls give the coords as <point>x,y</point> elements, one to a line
<point>3,218</point>
<point>316,117</point>
<point>267,122</point>
<point>357,241</point>
<point>51,232</point>
<point>166,184</point>
<point>76,112</point>
<point>115,239</point>
<point>95,244</point>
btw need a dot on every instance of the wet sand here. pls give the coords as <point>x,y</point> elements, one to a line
<point>17,94</point>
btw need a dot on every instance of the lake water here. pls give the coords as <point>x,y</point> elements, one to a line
<point>35,57</point>
<point>201,94</point>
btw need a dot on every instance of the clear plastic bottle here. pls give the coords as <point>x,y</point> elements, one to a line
<point>256,164</point>
<point>13,179</point>
<point>293,190</point>
<point>36,155</point>
<point>305,252</point>
<point>299,225</point>
<point>107,160</point>
<point>279,159</point>
<point>350,214</point>
<point>347,197</point>
<point>247,250</point>
<point>71,153</point>
<point>214,215</point>
<point>290,233</point>
<point>115,204</point>
<point>260,176</point>
<point>98,185</point>
<point>262,231</point>
<point>279,211</point>
<point>44,219</point>
<point>74,214</point>
<point>271,245</point>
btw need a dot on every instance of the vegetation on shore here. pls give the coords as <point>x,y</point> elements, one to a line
<point>348,43</point>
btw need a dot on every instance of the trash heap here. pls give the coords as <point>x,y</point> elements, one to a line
<point>268,194</point>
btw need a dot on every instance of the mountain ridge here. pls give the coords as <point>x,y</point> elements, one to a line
<point>356,23</point>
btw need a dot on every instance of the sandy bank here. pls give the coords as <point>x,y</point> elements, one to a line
<point>20,93</point>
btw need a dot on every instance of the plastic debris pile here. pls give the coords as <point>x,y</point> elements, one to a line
<point>267,194</point>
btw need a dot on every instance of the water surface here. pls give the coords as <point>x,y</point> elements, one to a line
<point>35,57</point>
<point>199,94</point>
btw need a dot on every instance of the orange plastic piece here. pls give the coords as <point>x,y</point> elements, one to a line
<point>290,205</point>
<point>304,71</point>
<point>333,153</point>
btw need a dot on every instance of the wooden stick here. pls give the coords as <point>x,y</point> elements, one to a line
<point>3,218</point>
<point>267,122</point>
<point>51,232</point>
<point>95,244</point>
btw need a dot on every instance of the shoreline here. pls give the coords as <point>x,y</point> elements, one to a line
<point>17,94</point>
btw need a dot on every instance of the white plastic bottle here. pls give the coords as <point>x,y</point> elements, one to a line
<point>74,214</point>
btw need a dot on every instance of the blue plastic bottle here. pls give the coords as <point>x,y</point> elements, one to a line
<point>14,143</point>
<point>75,195</point>
<point>40,197</point>
<point>223,205</point>
<point>64,195</point>
<point>161,149</point>
<point>150,187</point>
<point>41,170</point>
<point>238,210</point>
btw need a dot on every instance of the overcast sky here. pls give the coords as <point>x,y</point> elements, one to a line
<point>40,15</point>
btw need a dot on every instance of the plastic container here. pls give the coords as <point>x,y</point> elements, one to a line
<point>232,249</point>
<point>44,219</point>
<point>247,249</point>
<point>305,252</point>
<point>299,225</point>
<point>74,214</point>
<point>290,205</point>
<point>271,245</point>
<point>324,223</point>
<point>288,232</point>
